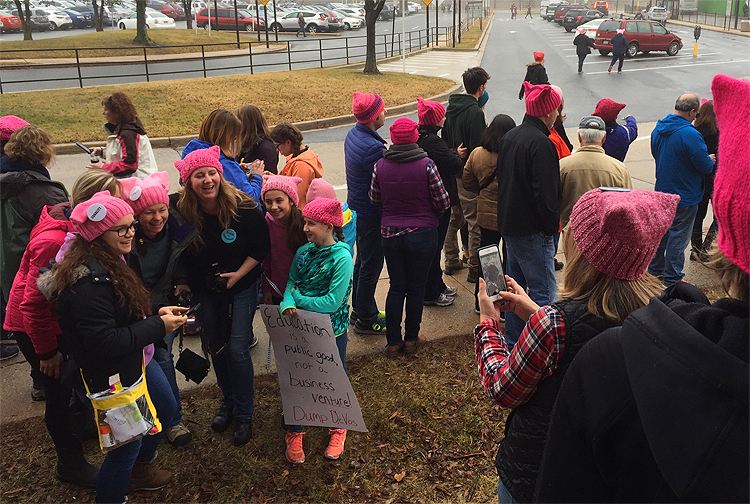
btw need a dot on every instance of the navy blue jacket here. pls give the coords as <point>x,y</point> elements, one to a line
<point>363,148</point>
<point>619,44</point>
<point>619,137</point>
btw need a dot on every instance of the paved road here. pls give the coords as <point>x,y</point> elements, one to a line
<point>649,84</point>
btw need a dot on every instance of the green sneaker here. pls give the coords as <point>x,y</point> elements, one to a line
<point>377,327</point>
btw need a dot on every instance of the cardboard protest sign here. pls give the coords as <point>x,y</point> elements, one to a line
<point>315,389</point>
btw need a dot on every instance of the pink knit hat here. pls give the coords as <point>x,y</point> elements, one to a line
<point>731,197</point>
<point>141,194</point>
<point>320,188</point>
<point>9,124</point>
<point>608,109</point>
<point>404,131</point>
<point>96,215</point>
<point>619,230</point>
<point>287,185</point>
<point>429,112</point>
<point>199,159</point>
<point>367,107</point>
<point>325,210</point>
<point>538,56</point>
<point>541,99</point>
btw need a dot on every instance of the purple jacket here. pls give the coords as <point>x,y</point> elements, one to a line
<point>405,191</point>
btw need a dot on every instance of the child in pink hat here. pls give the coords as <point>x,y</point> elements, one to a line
<point>321,188</point>
<point>613,236</point>
<point>320,280</point>
<point>285,227</point>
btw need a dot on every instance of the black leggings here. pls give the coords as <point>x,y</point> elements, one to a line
<point>615,57</point>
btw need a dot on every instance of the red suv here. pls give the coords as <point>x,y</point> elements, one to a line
<point>643,36</point>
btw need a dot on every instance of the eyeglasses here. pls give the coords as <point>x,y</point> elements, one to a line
<point>124,230</point>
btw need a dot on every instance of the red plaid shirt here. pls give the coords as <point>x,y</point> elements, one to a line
<point>510,378</point>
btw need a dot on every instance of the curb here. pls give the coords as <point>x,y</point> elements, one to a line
<point>329,122</point>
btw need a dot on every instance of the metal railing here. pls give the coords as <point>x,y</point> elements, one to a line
<point>147,65</point>
<point>712,19</point>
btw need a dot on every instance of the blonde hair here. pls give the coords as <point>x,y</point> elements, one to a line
<point>91,182</point>
<point>224,129</point>
<point>608,297</point>
<point>30,144</point>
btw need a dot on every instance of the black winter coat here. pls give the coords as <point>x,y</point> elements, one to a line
<point>447,160</point>
<point>619,44</point>
<point>535,74</point>
<point>104,338</point>
<point>657,410</point>
<point>262,149</point>
<point>528,178</point>
<point>520,453</point>
<point>583,44</point>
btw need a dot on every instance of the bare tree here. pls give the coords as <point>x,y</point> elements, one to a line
<point>98,15</point>
<point>372,11</point>
<point>141,36</point>
<point>187,6</point>
<point>25,14</point>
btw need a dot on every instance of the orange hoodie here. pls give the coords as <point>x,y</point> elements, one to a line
<point>306,166</point>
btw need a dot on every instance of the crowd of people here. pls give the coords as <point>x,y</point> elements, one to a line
<point>624,382</point>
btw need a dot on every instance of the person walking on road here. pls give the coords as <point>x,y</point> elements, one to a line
<point>682,161</point>
<point>363,147</point>
<point>528,13</point>
<point>301,24</point>
<point>583,44</point>
<point>619,48</point>
<point>535,73</point>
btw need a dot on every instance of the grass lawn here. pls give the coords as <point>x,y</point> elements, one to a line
<point>177,107</point>
<point>471,37</point>
<point>124,39</point>
<point>431,438</point>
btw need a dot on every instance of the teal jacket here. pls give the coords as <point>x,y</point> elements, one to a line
<point>320,280</point>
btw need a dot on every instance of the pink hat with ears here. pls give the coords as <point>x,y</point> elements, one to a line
<point>541,99</point>
<point>96,215</point>
<point>199,159</point>
<point>320,188</point>
<point>141,194</point>
<point>288,185</point>
<point>620,31</point>
<point>731,197</point>
<point>9,124</point>
<point>325,210</point>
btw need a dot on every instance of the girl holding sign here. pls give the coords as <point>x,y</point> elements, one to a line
<point>320,280</point>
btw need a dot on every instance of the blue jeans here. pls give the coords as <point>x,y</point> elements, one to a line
<point>341,341</point>
<point>408,258</point>
<point>581,57</point>
<point>367,268</point>
<point>302,31</point>
<point>165,359</point>
<point>114,475</point>
<point>670,255</point>
<point>233,365</point>
<point>503,495</point>
<point>530,263</point>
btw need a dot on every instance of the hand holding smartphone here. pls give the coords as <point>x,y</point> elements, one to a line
<point>492,271</point>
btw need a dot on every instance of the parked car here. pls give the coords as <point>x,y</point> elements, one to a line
<point>116,13</point>
<point>643,36</point>
<point>80,19</point>
<point>334,22</point>
<point>575,18</point>
<point>161,7</point>
<point>39,21</point>
<point>226,20</point>
<point>602,7</point>
<point>412,8</point>
<point>10,22</point>
<point>314,21</point>
<point>179,12</point>
<point>591,27</point>
<point>387,12</point>
<point>549,13</point>
<point>657,14</point>
<point>350,22</point>
<point>154,21</point>
<point>360,13</point>
<point>561,10</point>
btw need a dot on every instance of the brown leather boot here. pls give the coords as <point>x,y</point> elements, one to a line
<point>147,477</point>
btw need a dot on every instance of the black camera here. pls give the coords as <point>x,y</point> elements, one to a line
<point>214,281</point>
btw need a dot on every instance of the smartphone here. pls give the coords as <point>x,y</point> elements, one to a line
<point>492,271</point>
<point>192,309</point>
<point>88,151</point>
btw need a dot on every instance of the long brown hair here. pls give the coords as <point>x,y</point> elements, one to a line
<point>608,297</point>
<point>295,229</point>
<point>129,289</point>
<point>254,126</point>
<point>230,199</point>
<point>222,128</point>
<point>707,118</point>
<point>121,106</point>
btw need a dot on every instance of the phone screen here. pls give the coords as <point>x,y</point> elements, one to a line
<point>492,270</point>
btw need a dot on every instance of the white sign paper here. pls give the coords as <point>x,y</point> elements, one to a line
<point>315,389</point>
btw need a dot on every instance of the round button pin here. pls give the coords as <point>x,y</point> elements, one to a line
<point>96,212</point>
<point>228,235</point>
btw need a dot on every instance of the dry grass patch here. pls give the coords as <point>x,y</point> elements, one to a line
<point>177,107</point>
<point>98,41</point>
<point>432,439</point>
<point>471,38</point>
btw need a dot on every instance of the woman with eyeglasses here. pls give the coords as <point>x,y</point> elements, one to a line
<point>223,269</point>
<point>104,312</point>
<point>128,151</point>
